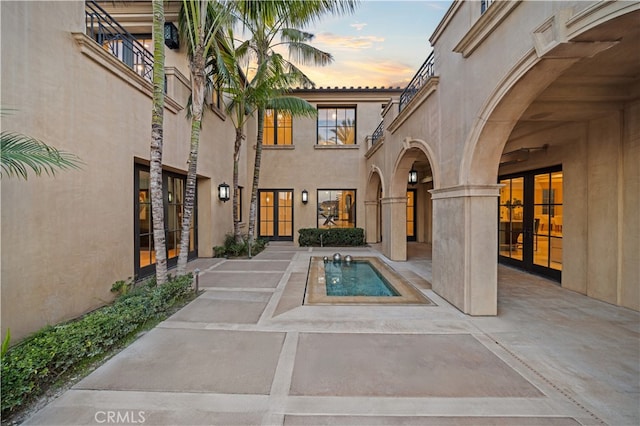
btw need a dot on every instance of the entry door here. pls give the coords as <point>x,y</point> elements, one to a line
<point>411,215</point>
<point>530,221</point>
<point>276,215</point>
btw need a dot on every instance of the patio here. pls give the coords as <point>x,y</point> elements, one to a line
<point>247,352</point>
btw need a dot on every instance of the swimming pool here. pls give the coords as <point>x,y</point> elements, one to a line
<point>365,280</point>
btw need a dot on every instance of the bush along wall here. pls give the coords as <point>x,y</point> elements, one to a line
<point>332,237</point>
<point>39,361</point>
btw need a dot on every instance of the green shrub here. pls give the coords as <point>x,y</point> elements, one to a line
<point>332,237</point>
<point>233,249</point>
<point>29,367</point>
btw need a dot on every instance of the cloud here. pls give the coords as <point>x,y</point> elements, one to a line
<point>359,26</point>
<point>347,42</point>
<point>363,73</point>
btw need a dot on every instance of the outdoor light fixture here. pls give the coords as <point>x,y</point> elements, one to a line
<point>223,192</point>
<point>171,36</point>
<point>305,196</point>
<point>170,197</point>
<point>413,176</point>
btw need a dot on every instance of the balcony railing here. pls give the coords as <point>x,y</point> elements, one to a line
<point>377,134</point>
<point>111,36</point>
<point>422,76</point>
<point>484,5</point>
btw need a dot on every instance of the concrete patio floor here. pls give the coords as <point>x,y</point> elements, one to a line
<point>247,352</point>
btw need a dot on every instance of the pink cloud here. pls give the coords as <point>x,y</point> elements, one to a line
<point>347,42</point>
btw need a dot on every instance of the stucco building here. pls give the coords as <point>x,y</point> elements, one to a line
<point>523,128</point>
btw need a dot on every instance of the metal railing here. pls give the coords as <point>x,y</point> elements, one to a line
<point>377,134</point>
<point>108,33</point>
<point>422,76</point>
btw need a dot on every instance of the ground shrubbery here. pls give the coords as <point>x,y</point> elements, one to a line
<point>233,249</point>
<point>333,237</point>
<point>34,364</point>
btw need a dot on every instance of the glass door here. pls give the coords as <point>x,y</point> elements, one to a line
<point>276,215</point>
<point>173,199</point>
<point>411,215</point>
<point>530,221</point>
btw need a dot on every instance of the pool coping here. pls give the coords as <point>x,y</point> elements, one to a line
<point>316,289</point>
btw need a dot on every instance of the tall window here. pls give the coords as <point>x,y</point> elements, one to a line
<point>336,125</point>
<point>336,208</point>
<point>173,199</point>
<point>277,128</point>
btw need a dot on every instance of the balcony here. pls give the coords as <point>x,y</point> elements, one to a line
<point>423,75</point>
<point>377,134</point>
<point>108,33</point>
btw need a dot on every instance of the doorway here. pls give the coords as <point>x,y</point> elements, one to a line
<point>275,216</point>
<point>530,221</point>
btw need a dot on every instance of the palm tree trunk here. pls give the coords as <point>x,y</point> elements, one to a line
<point>253,207</point>
<point>197,101</point>
<point>157,118</point>
<point>236,192</point>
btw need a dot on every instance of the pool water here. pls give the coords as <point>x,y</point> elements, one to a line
<point>357,278</point>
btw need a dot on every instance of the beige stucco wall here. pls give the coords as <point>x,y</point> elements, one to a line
<point>306,165</point>
<point>65,240</point>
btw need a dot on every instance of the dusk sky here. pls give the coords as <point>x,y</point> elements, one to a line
<point>382,44</point>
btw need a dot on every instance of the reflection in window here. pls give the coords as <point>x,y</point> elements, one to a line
<point>336,208</point>
<point>336,126</point>
<point>277,128</point>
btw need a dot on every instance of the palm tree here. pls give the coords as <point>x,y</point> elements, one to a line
<point>200,21</point>
<point>270,24</point>
<point>267,87</point>
<point>157,119</point>
<point>18,153</point>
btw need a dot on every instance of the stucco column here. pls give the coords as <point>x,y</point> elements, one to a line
<point>371,222</point>
<point>465,251</point>
<point>394,228</point>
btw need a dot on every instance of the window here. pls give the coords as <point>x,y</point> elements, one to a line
<point>336,126</point>
<point>277,128</point>
<point>174,187</point>
<point>336,208</point>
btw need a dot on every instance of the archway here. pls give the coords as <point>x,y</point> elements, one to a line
<point>373,214</point>
<point>563,112</point>
<point>416,155</point>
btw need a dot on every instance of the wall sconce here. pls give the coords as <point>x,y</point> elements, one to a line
<point>171,39</point>
<point>170,197</point>
<point>305,196</point>
<point>413,176</point>
<point>223,192</point>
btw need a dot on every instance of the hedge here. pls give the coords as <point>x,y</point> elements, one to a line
<point>31,366</point>
<point>332,237</point>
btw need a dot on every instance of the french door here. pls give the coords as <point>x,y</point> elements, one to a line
<point>275,216</point>
<point>173,199</point>
<point>530,221</point>
<point>411,215</point>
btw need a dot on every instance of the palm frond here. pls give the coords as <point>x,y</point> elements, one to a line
<point>19,153</point>
<point>293,105</point>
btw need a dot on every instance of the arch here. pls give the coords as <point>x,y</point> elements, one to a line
<point>524,82</point>
<point>371,193</point>
<point>411,149</point>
